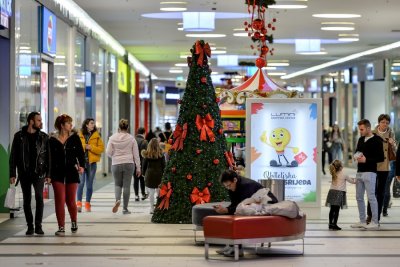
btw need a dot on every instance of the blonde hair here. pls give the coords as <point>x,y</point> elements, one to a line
<point>153,150</point>
<point>123,124</point>
<point>334,168</point>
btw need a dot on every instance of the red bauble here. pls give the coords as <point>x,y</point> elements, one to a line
<point>198,151</point>
<point>217,99</point>
<point>257,24</point>
<point>274,20</point>
<point>264,49</point>
<point>216,161</point>
<point>173,169</point>
<point>269,25</point>
<point>256,35</point>
<point>245,23</point>
<point>204,106</point>
<point>203,79</point>
<point>264,31</point>
<point>273,28</point>
<point>209,184</point>
<point>220,131</point>
<point>212,139</point>
<point>260,62</point>
<point>170,141</point>
<point>189,176</point>
<point>179,101</point>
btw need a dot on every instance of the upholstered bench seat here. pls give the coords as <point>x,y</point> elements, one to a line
<point>240,230</point>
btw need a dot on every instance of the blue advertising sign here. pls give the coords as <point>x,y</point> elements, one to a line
<point>5,12</point>
<point>49,32</point>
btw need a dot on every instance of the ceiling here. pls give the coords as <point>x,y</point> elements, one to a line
<point>157,43</point>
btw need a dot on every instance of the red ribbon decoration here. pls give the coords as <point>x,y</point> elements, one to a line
<point>200,197</point>
<point>205,126</point>
<point>165,192</point>
<point>201,50</point>
<point>229,158</point>
<point>179,136</point>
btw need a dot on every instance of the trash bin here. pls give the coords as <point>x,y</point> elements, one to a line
<point>277,187</point>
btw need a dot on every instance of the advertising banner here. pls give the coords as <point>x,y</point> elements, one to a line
<point>48,32</point>
<point>5,12</point>
<point>122,76</point>
<point>133,82</point>
<point>283,142</point>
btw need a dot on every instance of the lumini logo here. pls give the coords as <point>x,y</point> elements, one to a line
<point>283,116</point>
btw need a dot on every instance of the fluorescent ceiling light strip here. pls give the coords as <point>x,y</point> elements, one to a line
<point>137,65</point>
<point>344,59</point>
<point>336,16</point>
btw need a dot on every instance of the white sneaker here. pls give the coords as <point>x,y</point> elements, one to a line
<point>358,225</point>
<point>371,226</point>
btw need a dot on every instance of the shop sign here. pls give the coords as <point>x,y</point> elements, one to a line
<point>48,32</point>
<point>5,13</point>
<point>133,82</point>
<point>283,143</point>
<point>122,76</point>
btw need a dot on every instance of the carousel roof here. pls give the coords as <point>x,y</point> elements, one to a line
<point>260,82</point>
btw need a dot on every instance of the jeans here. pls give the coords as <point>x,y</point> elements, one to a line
<point>136,181</point>
<point>336,151</point>
<point>392,171</point>
<point>122,179</point>
<point>152,192</point>
<point>366,183</point>
<point>88,177</point>
<point>26,186</point>
<point>381,178</point>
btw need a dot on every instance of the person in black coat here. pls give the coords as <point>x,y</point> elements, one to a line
<point>67,161</point>
<point>30,156</point>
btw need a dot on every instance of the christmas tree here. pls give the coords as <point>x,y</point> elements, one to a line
<point>198,154</point>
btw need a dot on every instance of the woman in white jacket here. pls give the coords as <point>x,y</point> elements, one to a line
<point>124,153</point>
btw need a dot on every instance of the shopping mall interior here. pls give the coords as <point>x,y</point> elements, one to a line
<point>225,74</point>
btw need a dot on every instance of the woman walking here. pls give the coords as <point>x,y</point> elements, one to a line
<point>67,159</point>
<point>153,168</point>
<point>93,147</point>
<point>337,143</point>
<point>123,151</point>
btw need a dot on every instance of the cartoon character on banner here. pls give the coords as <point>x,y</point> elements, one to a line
<point>279,140</point>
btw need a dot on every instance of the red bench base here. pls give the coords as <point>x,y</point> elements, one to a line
<point>241,230</point>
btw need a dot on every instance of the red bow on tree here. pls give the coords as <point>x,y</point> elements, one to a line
<point>229,158</point>
<point>205,126</point>
<point>200,197</point>
<point>165,192</point>
<point>179,137</point>
<point>201,50</point>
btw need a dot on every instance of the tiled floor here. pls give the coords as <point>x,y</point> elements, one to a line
<point>107,239</point>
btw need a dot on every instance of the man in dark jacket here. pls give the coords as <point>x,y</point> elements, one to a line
<point>239,188</point>
<point>142,144</point>
<point>369,152</point>
<point>30,156</point>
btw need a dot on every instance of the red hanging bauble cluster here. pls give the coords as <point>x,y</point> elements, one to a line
<point>258,30</point>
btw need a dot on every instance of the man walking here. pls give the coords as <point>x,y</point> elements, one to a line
<point>30,156</point>
<point>369,152</point>
<point>142,145</point>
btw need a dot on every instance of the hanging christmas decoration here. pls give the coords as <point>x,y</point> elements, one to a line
<point>258,30</point>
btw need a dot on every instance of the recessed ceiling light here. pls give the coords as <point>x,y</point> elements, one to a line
<point>277,64</point>
<point>241,34</point>
<point>173,6</point>
<point>175,71</point>
<point>396,64</point>
<point>269,68</point>
<point>289,4</point>
<point>313,53</point>
<point>218,52</point>
<point>344,37</point>
<point>181,65</point>
<point>337,26</point>
<point>214,73</point>
<point>205,35</point>
<point>276,73</point>
<point>336,16</point>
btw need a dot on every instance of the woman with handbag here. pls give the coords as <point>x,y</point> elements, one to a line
<point>389,143</point>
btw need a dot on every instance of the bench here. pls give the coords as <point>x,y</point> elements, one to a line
<point>240,230</point>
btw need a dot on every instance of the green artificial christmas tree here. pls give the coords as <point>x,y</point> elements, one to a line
<point>198,155</point>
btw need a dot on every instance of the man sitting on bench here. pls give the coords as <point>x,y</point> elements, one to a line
<point>239,188</point>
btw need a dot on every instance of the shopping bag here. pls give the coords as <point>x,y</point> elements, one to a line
<point>396,188</point>
<point>10,198</point>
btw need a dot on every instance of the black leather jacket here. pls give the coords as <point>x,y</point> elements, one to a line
<point>19,157</point>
